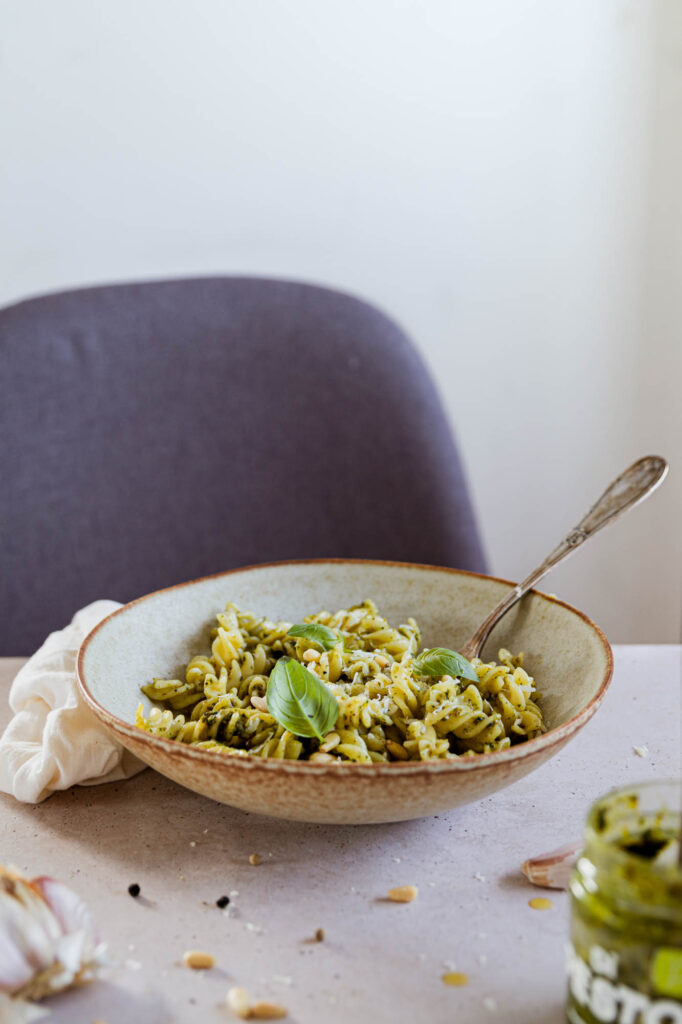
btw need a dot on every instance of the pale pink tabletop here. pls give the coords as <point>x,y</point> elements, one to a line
<point>380,961</point>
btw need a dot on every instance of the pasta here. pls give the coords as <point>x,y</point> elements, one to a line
<point>387,711</point>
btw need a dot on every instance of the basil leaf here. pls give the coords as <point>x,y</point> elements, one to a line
<point>440,661</point>
<point>299,701</point>
<point>324,636</point>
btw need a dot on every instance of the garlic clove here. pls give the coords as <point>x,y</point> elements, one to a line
<point>26,937</point>
<point>70,910</point>
<point>552,870</point>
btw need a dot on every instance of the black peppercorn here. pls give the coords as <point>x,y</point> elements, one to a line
<point>134,889</point>
<point>222,901</point>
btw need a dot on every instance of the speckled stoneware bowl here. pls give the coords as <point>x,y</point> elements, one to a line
<point>158,634</point>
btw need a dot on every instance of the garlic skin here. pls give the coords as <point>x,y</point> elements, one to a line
<point>552,870</point>
<point>48,938</point>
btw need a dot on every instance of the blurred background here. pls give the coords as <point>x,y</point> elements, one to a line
<point>502,178</point>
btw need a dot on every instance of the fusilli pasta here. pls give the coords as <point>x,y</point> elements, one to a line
<point>387,711</point>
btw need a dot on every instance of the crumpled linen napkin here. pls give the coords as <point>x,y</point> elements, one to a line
<point>54,741</point>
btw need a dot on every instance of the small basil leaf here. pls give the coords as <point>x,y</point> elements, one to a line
<point>440,661</point>
<point>324,636</point>
<point>299,701</point>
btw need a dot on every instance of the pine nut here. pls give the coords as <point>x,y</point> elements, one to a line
<point>331,740</point>
<point>267,1011</point>
<point>403,893</point>
<point>398,750</point>
<point>260,703</point>
<point>320,756</point>
<point>197,960</point>
<point>239,1002</point>
<point>455,978</point>
<point>540,903</point>
<point>255,858</point>
<point>311,655</point>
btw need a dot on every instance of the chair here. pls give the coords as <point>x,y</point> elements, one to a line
<point>161,431</point>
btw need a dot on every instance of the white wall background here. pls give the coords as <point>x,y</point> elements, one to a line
<point>504,178</point>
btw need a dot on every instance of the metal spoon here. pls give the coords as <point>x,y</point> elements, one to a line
<point>626,491</point>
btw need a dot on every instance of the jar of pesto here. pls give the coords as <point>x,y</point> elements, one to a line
<point>624,959</point>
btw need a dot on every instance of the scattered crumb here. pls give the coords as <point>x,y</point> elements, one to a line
<point>282,979</point>
<point>198,960</point>
<point>403,893</point>
<point>255,858</point>
<point>397,860</point>
<point>479,877</point>
<point>490,1004</point>
<point>455,978</point>
<point>641,751</point>
<point>132,965</point>
<point>319,935</point>
<point>233,893</point>
<point>253,928</point>
<point>192,843</point>
<point>540,903</point>
<point>449,965</point>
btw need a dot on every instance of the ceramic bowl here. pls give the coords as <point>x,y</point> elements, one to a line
<point>158,634</point>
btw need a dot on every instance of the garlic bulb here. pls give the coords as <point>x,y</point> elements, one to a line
<point>48,938</point>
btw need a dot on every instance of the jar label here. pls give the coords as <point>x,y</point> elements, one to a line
<point>597,995</point>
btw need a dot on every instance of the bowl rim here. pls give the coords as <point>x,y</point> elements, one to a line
<point>127,731</point>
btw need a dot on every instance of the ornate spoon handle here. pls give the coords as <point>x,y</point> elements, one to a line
<point>626,491</point>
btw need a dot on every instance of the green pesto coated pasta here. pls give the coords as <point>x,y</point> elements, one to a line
<point>386,712</point>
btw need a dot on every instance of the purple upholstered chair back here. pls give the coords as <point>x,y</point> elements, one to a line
<point>152,433</point>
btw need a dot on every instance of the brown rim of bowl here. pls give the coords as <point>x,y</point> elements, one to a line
<point>189,753</point>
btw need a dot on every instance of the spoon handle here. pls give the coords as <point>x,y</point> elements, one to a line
<point>626,491</point>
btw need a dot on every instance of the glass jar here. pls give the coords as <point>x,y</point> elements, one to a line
<point>624,960</point>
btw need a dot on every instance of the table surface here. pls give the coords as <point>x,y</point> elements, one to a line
<point>379,961</point>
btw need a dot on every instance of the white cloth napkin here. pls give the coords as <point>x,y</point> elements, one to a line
<point>54,741</point>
